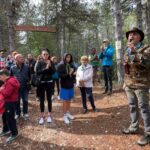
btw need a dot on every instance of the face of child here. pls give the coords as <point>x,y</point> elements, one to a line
<point>3,77</point>
<point>84,62</point>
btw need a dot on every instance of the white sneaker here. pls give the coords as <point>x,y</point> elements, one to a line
<point>26,116</point>
<point>58,97</point>
<point>49,119</point>
<point>17,117</point>
<point>69,116</point>
<point>41,121</point>
<point>53,97</point>
<point>66,120</point>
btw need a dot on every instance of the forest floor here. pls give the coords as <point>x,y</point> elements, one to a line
<point>91,131</point>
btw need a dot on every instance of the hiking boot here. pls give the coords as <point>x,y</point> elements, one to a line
<point>69,116</point>
<point>130,130</point>
<point>41,121</point>
<point>4,133</point>
<point>66,120</point>
<point>144,140</point>
<point>11,139</point>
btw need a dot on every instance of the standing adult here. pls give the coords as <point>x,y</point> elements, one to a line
<point>2,63</point>
<point>106,56</point>
<point>21,71</point>
<point>55,78</point>
<point>45,69</point>
<point>94,61</point>
<point>31,63</point>
<point>137,82</point>
<point>66,71</point>
<point>37,87</point>
<point>84,79</point>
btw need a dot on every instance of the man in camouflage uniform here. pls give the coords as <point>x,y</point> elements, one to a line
<point>137,83</point>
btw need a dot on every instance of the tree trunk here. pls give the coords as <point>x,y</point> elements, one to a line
<point>97,38</point>
<point>147,19</point>
<point>1,35</point>
<point>118,37</point>
<point>61,38</point>
<point>10,21</point>
<point>61,28</point>
<point>139,14</point>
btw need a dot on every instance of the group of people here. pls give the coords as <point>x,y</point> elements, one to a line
<point>17,74</point>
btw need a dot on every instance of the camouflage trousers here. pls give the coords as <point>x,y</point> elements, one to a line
<point>139,99</point>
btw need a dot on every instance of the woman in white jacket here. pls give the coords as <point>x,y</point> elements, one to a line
<point>84,80</point>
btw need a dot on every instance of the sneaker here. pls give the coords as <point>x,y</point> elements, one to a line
<point>4,133</point>
<point>66,120</point>
<point>58,97</point>
<point>17,117</point>
<point>11,139</point>
<point>69,116</point>
<point>105,92</point>
<point>41,121</point>
<point>109,93</point>
<point>49,119</point>
<point>95,110</point>
<point>26,116</point>
<point>130,130</point>
<point>37,99</point>
<point>84,111</point>
<point>53,97</point>
<point>144,140</point>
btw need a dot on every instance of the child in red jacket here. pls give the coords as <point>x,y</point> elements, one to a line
<point>9,95</point>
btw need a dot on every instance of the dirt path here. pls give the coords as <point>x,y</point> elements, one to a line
<point>91,131</point>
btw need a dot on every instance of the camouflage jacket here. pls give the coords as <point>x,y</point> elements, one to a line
<point>137,68</point>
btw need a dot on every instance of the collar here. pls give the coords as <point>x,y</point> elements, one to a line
<point>138,45</point>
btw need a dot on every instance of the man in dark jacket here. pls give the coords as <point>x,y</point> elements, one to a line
<point>137,82</point>
<point>21,71</point>
<point>9,94</point>
<point>31,63</point>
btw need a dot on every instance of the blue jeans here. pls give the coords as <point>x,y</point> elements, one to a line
<point>23,94</point>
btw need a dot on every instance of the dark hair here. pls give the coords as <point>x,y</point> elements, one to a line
<point>4,72</point>
<point>45,49</point>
